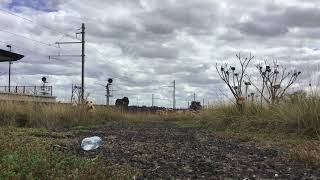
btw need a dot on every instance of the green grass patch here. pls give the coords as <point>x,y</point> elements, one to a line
<point>26,156</point>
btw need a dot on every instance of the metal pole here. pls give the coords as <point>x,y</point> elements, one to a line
<point>82,56</point>
<point>194,96</point>
<point>108,94</point>
<point>9,76</point>
<point>152,101</point>
<point>246,92</point>
<point>174,94</point>
<point>203,102</point>
<point>71,93</point>
<point>9,46</point>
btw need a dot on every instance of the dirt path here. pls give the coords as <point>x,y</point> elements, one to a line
<point>164,150</point>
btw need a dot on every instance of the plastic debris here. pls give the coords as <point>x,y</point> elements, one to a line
<point>91,143</point>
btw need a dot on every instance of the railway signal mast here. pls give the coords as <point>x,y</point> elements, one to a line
<point>108,95</point>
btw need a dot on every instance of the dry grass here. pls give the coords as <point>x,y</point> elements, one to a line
<point>293,125</point>
<point>307,153</point>
<point>277,125</point>
<point>300,117</point>
<point>53,116</point>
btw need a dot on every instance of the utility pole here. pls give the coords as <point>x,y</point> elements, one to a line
<point>203,102</point>
<point>194,96</point>
<point>71,93</point>
<point>82,42</point>
<point>152,101</point>
<point>82,58</point>
<point>247,84</point>
<point>9,46</point>
<point>108,95</point>
<point>174,94</point>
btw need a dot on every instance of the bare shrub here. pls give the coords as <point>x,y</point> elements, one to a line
<point>275,80</point>
<point>233,78</point>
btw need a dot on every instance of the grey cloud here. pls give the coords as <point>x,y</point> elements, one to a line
<point>262,29</point>
<point>175,67</point>
<point>151,50</point>
<point>230,35</point>
<point>116,29</point>
<point>307,33</point>
<point>158,26</point>
<point>201,79</point>
<point>301,17</point>
<point>191,17</point>
<point>273,20</point>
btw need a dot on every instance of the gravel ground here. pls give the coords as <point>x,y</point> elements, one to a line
<point>167,151</point>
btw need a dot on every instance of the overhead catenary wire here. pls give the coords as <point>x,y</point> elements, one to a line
<point>31,39</point>
<point>37,53</point>
<point>34,40</point>
<point>25,49</point>
<point>29,20</point>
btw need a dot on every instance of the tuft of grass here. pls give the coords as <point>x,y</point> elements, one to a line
<point>306,153</point>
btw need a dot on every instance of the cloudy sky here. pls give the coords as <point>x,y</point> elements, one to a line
<point>146,44</point>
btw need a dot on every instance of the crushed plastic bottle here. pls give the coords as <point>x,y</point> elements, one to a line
<point>91,143</point>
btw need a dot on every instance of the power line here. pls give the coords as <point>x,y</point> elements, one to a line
<point>163,99</point>
<point>11,13</point>
<point>38,53</point>
<point>22,48</point>
<point>29,20</point>
<point>34,40</point>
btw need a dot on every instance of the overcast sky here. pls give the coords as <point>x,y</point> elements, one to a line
<point>146,44</point>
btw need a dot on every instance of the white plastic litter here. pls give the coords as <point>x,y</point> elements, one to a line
<point>91,143</point>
